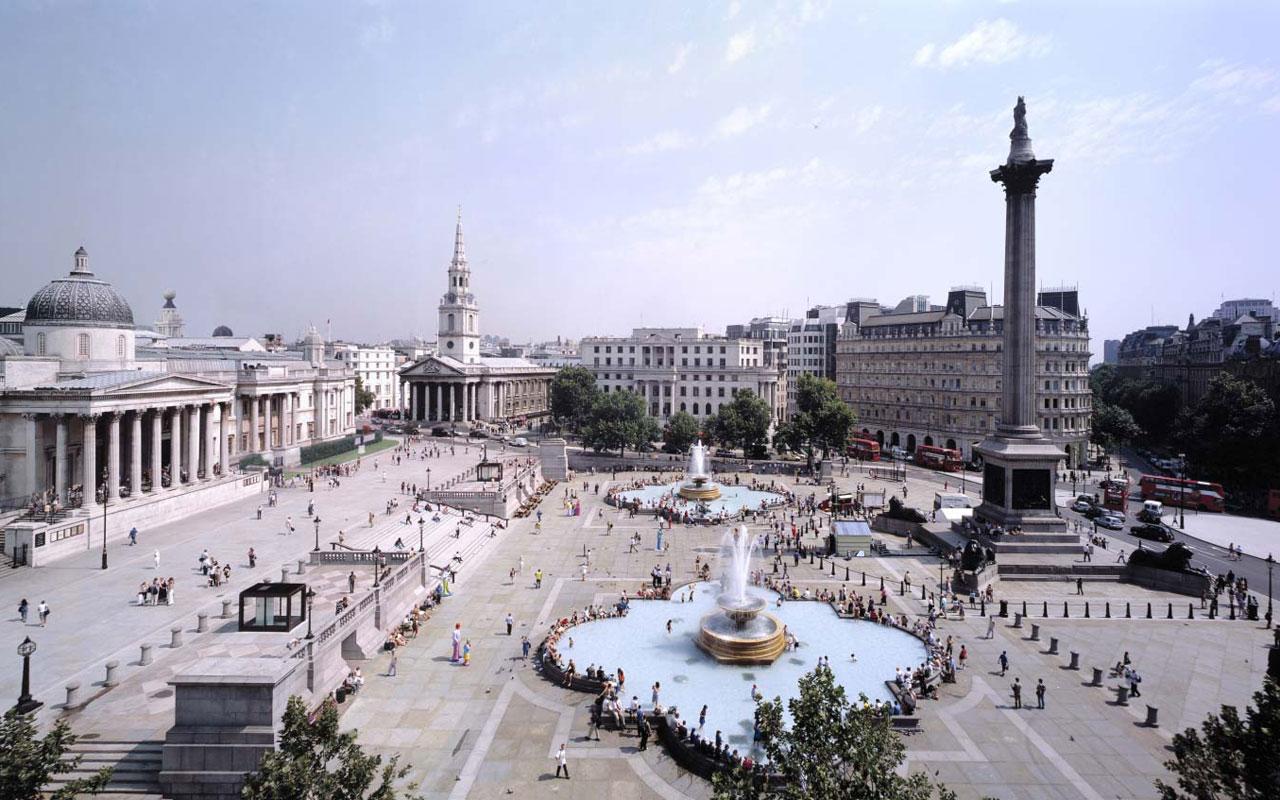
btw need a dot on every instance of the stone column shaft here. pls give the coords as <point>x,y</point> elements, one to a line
<point>224,413</point>
<point>175,447</point>
<point>193,444</point>
<point>60,459</point>
<point>113,457</point>
<point>253,425</point>
<point>89,448</point>
<point>135,455</point>
<point>157,456</point>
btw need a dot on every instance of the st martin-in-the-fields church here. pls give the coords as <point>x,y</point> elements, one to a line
<point>458,383</point>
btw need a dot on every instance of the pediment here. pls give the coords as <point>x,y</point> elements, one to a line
<point>431,366</point>
<point>166,384</point>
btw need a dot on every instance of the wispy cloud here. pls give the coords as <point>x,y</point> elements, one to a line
<point>741,120</point>
<point>990,42</point>
<point>1236,83</point>
<point>682,56</point>
<point>659,143</point>
<point>740,45</point>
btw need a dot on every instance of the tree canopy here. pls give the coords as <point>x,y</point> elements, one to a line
<point>681,432</point>
<point>619,420</point>
<point>317,761</point>
<point>822,420</point>
<point>1230,757</point>
<point>833,749</point>
<point>1152,404</point>
<point>1112,426</point>
<point>1223,435</point>
<point>744,423</point>
<point>364,396</point>
<point>573,391</point>
<point>28,763</point>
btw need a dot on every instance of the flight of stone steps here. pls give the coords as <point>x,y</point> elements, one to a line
<point>136,767</point>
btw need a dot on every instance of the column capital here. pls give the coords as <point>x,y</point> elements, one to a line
<point>91,416</point>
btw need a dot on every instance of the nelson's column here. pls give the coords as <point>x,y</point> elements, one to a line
<point>1021,465</point>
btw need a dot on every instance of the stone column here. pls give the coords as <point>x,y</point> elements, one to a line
<point>255,444</point>
<point>318,412</point>
<point>135,454</point>
<point>32,449</point>
<point>113,456</point>
<point>175,447</point>
<point>157,457</point>
<point>90,459</point>
<point>286,417</point>
<point>224,412</point>
<point>60,458</point>
<point>193,444</point>
<point>433,415</point>
<point>267,415</point>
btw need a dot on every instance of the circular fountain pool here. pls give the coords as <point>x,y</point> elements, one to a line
<point>640,644</point>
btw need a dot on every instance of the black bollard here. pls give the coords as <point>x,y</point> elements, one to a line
<point>923,596</point>
<point>1045,611</point>
<point>1126,610</point>
<point>1148,611</point>
<point>1213,611</point>
<point>1108,615</point>
<point>1171,611</point>
<point>984,607</point>
<point>1233,608</point>
<point>1191,611</point>
<point>1024,608</point>
<point>1004,609</point>
<point>810,556</point>
<point>1064,610</point>
<point>833,571</point>
<point>1086,609</point>
<point>881,582</point>
<point>819,563</point>
<point>902,588</point>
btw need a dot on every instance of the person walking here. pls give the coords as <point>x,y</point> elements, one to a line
<point>42,611</point>
<point>1134,680</point>
<point>155,559</point>
<point>525,646</point>
<point>1017,693</point>
<point>351,582</point>
<point>537,579</point>
<point>1079,586</point>
<point>133,536</point>
<point>253,558</point>
<point>391,668</point>
<point>1040,690</point>
<point>457,642</point>
<point>991,627</point>
<point>511,621</point>
<point>645,730</point>
<point>562,763</point>
<point>1004,662</point>
<point>23,608</point>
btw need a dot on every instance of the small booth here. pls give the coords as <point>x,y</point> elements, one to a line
<point>850,537</point>
<point>273,607</point>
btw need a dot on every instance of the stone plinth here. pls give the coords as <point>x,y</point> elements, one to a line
<point>555,461</point>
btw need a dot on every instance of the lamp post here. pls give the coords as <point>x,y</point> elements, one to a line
<point>26,704</point>
<point>317,547</point>
<point>428,479</point>
<point>311,599</point>
<point>421,524</point>
<point>377,568</point>
<point>1182,489</point>
<point>104,530</point>
<point>1271,562</point>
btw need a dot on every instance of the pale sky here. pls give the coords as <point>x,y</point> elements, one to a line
<point>625,164</point>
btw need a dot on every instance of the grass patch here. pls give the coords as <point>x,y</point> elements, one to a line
<point>349,455</point>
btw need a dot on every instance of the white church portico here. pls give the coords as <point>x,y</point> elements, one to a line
<point>459,384</point>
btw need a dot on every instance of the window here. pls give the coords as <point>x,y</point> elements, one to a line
<point>120,346</point>
<point>41,344</point>
<point>449,319</point>
<point>82,345</point>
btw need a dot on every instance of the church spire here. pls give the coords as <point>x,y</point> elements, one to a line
<point>459,248</point>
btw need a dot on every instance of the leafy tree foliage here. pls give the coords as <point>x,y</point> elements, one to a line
<point>1152,404</point>
<point>788,437</point>
<point>834,749</point>
<point>364,397</point>
<point>681,432</point>
<point>823,420</point>
<point>1230,434</point>
<point>1112,426</point>
<point>618,420</point>
<point>317,761</point>
<point>744,423</point>
<point>28,763</point>
<point>573,392</point>
<point>1230,757</point>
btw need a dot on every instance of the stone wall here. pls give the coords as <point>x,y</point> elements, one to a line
<point>1163,580</point>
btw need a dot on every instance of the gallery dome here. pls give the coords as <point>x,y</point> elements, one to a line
<point>79,299</point>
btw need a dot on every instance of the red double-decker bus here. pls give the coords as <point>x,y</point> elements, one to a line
<point>940,458</point>
<point>1203,495</point>
<point>863,449</point>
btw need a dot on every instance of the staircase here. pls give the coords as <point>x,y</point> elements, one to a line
<point>136,767</point>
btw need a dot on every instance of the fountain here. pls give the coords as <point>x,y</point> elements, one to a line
<point>698,484</point>
<point>740,632</point>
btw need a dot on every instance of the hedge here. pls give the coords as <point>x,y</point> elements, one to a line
<point>253,460</point>
<point>318,452</point>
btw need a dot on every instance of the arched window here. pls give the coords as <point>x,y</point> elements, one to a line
<point>120,346</point>
<point>471,323</point>
<point>450,322</point>
<point>695,409</point>
<point>82,345</point>
<point>41,344</point>
<point>683,408</point>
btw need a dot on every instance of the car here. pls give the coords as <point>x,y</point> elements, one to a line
<point>1081,506</point>
<point>1093,512</point>
<point>1156,533</point>
<point>519,441</point>
<point>476,433</point>
<point>440,431</point>
<point>1112,522</point>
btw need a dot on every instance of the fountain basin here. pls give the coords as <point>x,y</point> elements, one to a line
<point>699,489</point>
<point>740,633</point>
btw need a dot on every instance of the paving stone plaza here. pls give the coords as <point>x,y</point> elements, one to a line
<point>493,727</point>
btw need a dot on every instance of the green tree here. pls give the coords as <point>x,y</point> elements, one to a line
<point>788,437</point>
<point>744,423</point>
<point>834,749</point>
<point>573,394</point>
<point>364,397</point>
<point>316,760</point>
<point>681,432</point>
<point>1112,426</point>
<point>1223,434</point>
<point>619,420</point>
<point>1231,758</point>
<point>823,420</point>
<point>28,763</point>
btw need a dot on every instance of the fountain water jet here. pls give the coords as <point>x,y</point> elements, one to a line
<point>698,484</point>
<point>740,632</point>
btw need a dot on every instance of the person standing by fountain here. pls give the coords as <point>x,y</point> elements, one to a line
<point>457,641</point>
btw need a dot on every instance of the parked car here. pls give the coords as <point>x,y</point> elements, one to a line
<point>476,433</point>
<point>1112,522</point>
<point>440,431</point>
<point>1081,506</point>
<point>519,441</point>
<point>1093,512</point>
<point>1156,533</point>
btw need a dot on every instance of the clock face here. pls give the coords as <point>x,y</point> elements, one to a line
<point>26,648</point>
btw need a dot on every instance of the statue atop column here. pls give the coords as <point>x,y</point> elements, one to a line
<point>1020,140</point>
